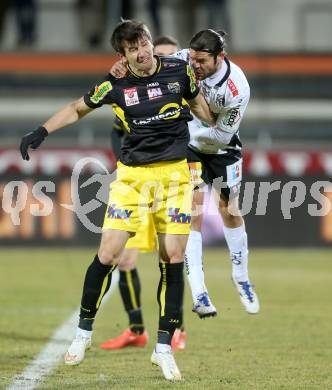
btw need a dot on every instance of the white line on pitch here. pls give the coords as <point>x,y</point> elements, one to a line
<point>46,361</point>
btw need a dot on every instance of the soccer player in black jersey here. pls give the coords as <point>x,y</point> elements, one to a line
<point>214,155</point>
<point>152,176</point>
<point>144,241</point>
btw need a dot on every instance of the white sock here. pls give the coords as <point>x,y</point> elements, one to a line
<point>194,264</point>
<point>237,242</point>
<point>83,333</point>
<point>163,348</point>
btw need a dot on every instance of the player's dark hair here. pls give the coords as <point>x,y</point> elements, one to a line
<point>210,41</point>
<point>166,40</point>
<point>130,31</point>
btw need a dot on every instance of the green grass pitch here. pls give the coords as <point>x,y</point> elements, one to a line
<point>287,346</point>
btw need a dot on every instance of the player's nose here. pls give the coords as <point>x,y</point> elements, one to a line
<point>140,52</point>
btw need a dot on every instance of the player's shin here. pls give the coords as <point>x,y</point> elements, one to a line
<point>194,264</point>
<point>130,290</point>
<point>96,284</point>
<point>170,299</point>
<point>237,242</point>
<point>202,306</point>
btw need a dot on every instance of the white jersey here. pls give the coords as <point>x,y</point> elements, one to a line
<point>227,92</point>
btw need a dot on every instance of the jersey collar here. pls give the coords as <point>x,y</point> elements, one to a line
<point>151,75</point>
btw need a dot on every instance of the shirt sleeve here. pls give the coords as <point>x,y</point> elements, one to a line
<point>191,87</point>
<point>102,93</point>
<point>230,111</point>
<point>209,135</point>
<point>229,119</point>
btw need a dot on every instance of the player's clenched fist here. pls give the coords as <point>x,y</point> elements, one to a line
<point>33,140</point>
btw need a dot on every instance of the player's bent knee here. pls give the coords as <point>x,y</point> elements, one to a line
<point>125,267</point>
<point>173,257</point>
<point>106,257</point>
<point>111,245</point>
<point>230,219</point>
<point>128,259</point>
<point>176,259</point>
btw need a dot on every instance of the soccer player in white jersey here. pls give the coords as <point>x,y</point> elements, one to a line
<point>218,149</point>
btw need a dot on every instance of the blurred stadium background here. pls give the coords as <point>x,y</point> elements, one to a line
<point>283,48</point>
<point>53,51</point>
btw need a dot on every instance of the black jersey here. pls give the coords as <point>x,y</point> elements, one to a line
<point>152,109</point>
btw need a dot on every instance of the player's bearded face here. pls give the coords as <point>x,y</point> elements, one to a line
<point>203,63</point>
<point>139,54</point>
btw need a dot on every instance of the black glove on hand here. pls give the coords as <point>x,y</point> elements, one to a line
<point>33,139</point>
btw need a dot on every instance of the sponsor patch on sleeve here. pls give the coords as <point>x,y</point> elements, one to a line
<point>232,87</point>
<point>101,91</point>
<point>231,117</point>
<point>192,78</point>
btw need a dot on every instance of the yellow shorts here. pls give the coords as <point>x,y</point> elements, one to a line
<point>145,238</point>
<point>160,189</point>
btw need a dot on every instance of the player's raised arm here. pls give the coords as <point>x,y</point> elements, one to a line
<point>201,110</point>
<point>67,115</point>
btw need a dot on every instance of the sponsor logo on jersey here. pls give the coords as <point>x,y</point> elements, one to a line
<point>131,96</point>
<point>170,64</point>
<point>168,111</point>
<point>232,87</point>
<point>174,87</point>
<point>114,213</point>
<point>178,217</point>
<point>152,85</point>
<point>154,93</point>
<point>192,78</point>
<point>232,117</point>
<point>101,91</point>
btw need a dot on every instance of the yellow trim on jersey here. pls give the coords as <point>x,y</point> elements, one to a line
<point>192,78</point>
<point>163,290</point>
<point>131,290</point>
<point>156,71</point>
<point>120,114</point>
<point>103,287</point>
